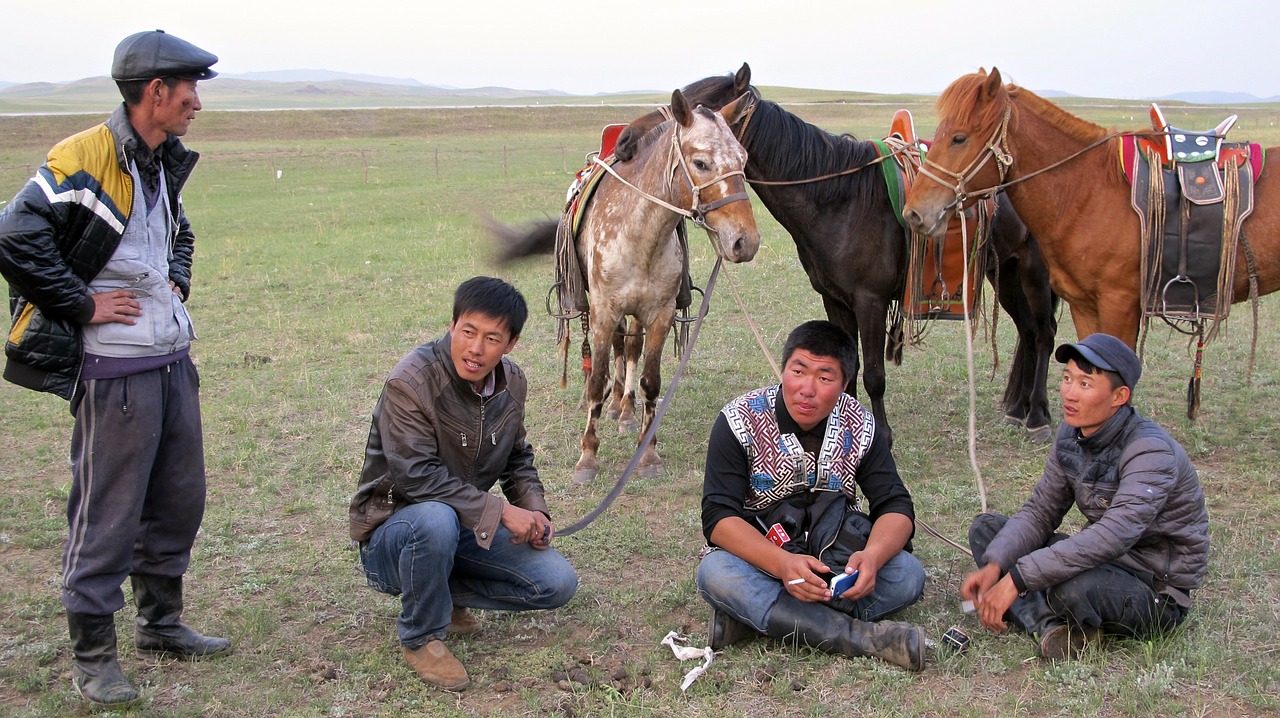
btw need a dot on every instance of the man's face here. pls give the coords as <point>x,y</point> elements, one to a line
<point>177,105</point>
<point>1088,399</point>
<point>811,384</point>
<point>477,343</point>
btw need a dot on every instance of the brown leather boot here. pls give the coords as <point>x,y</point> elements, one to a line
<point>436,665</point>
<point>463,623</point>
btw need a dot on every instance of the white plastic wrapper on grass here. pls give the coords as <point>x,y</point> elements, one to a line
<point>686,653</point>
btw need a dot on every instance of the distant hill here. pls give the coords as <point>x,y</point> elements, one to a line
<point>1216,98</point>
<point>324,76</point>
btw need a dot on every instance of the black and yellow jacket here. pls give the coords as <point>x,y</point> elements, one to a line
<point>58,233</point>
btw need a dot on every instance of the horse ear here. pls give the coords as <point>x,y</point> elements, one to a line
<point>734,111</point>
<point>742,80</point>
<point>680,109</point>
<point>992,86</point>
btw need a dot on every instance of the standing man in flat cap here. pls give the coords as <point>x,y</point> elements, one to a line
<point>1145,544</point>
<point>97,252</point>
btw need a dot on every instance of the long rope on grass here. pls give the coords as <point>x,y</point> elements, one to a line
<point>657,415</point>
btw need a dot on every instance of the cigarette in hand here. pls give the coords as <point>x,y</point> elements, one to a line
<point>795,581</point>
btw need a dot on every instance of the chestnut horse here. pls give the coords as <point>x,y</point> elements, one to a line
<point>991,135</point>
<point>854,249</point>
<point>631,257</point>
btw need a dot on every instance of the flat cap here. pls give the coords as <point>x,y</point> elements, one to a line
<point>155,53</point>
<point>1105,352</point>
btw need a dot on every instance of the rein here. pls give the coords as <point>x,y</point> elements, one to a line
<point>697,211</point>
<point>661,411</point>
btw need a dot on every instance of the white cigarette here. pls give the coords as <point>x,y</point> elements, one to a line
<point>795,581</point>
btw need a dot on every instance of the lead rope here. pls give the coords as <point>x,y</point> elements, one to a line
<point>657,415</point>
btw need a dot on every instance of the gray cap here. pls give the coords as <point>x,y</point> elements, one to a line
<point>1105,352</point>
<point>155,53</point>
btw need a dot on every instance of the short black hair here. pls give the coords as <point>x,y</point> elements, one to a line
<point>1089,367</point>
<point>492,297</point>
<point>131,90</point>
<point>822,338</point>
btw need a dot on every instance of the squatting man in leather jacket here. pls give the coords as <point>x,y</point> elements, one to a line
<point>1145,546</point>
<point>97,251</point>
<point>448,426</point>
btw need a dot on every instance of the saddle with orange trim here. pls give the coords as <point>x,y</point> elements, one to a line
<point>1191,191</point>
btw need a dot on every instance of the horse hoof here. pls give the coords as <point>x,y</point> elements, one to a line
<point>1015,420</point>
<point>628,427</point>
<point>582,477</point>
<point>1040,435</point>
<point>649,472</point>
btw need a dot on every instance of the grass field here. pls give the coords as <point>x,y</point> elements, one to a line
<point>329,243</point>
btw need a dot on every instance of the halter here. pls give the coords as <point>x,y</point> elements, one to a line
<point>997,149</point>
<point>697,211</point>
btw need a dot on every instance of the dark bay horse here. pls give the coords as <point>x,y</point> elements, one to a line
<point>630,255</point>
<point>854,249</point>
<point>1079,212</point>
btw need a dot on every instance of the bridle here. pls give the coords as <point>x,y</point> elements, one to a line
<point>698,210</point>
<point>996,149</point>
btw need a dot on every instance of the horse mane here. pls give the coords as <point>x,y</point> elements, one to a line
<point>796,150</point>
<point>962,102</point>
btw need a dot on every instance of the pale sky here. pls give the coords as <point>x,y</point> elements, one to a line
<point>1107,48</point>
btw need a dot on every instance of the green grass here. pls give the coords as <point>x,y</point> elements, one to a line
<point>311,284</point>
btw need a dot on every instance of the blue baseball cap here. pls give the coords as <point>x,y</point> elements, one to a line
<point>1105,352</point>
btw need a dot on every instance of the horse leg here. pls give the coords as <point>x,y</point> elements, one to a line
<point>651,384</point>
<point>873,311</point>
<point>1009,290</point>
<point>1043,304</point>
<point>843,317</point>
<point>602,331</point>
<point>627,361</point>
<point>617,389</point>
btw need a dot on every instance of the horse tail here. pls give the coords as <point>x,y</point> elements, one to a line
<point>538,237</point>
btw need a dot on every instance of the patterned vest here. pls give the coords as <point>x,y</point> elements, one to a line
<point>780,467</point>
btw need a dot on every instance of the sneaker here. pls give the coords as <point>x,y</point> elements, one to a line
<point>1063,642</point>
<point>725,630</point>
<point>463,623</point>
<point>434,664</point>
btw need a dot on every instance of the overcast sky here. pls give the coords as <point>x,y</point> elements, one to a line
<point>1106,48</point>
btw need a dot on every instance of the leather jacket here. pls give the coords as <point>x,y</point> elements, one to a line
<point>59,232</point>
<point>433,438</point>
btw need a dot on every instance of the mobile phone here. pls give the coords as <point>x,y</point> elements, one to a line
<point>842,582</point>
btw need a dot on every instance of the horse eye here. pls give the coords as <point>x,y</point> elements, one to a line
<point>959,139</point>
<point>700,165</point>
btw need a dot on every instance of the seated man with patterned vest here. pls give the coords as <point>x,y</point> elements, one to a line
<point>782,517</point>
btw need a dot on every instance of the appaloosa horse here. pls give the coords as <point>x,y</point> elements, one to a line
<point>854,249</point>
<point>991,134</point>
<point>631,257</point>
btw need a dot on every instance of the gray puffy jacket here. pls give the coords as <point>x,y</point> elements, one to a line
<point>1141,497</point>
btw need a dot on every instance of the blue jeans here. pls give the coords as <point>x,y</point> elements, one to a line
<point>424,555</point>
<point>746,593</point>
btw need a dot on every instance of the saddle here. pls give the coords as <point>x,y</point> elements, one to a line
<point>1192,192</point>
<point>935,272</point>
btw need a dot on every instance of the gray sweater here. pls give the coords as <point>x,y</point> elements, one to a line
<point>1141,497</point>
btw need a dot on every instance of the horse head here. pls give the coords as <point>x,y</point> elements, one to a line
<point>968,156</point>
<point>713,161</point>
<point>713,92</point>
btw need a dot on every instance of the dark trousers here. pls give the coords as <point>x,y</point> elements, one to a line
<point>1107,596</point>
<point>138,483</point>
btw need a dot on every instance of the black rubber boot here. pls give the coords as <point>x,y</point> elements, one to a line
<point>96,673</point>
<point>826,629</point>
<point>160,630</point>
<point>725,630</point>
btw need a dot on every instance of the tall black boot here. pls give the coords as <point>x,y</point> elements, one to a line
<point>160,629</point>
<point>96,673</point>
<point>824,628</point>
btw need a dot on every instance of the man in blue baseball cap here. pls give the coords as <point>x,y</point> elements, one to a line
<point>97,251</point>
<point>1145,544</point>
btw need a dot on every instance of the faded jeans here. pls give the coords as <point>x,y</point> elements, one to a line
<point>746,593</point>
<point>1106,596</point>
<point>424,555</point>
